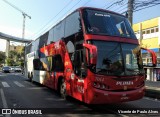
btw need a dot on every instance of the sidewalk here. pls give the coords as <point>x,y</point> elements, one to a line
<point>152,89</point>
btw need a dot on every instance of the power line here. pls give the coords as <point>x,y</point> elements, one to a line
<point>142,8</point>
<point>107,4</point>
<point>145,3</point>
<point>58,14</point>
<point>118,2</point>
<point>121,3</point>
<point>119,8</point>
<point>137,4</point>
<point>52,18</point>
<point>63,14</point>
<point>146,7</point>
<point>123,8</point>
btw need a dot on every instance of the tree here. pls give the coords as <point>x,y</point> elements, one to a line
<point>15,58</point>
<point>2,57</point>
<point>10,62</point>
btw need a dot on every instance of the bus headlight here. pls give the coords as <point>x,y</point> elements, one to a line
<point>103,86</point>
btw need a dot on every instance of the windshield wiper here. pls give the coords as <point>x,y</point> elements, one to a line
<point>103,71</point>
<point>135,71</point>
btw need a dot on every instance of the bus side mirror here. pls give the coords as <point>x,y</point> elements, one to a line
<point>92,53</point>
<point>153,56</point>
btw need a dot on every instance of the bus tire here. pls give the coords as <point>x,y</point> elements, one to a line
<point>28,75</point>
<point>63,89</point>
<point>31,77</point>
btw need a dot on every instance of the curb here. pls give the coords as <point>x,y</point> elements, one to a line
<point>150,92</point>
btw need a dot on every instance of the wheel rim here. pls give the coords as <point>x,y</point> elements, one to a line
<point>63,90</point>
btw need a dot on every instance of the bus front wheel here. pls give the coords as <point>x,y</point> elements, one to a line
<point>63,89</point>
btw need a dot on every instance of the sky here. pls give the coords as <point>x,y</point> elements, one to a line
<point>45,13</point>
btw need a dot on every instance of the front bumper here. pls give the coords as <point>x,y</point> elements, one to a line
<point>106,97</point>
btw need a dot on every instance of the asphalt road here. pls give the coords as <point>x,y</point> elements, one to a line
<point>22,96</point>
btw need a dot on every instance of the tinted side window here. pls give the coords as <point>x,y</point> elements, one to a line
<point>28,49</point>
<point>73,24</point>
<point>36,45</point>
<point>50,36</point>
<point>36,64</point>
<point>50,62</point>
<point>40,64</point>
<point>45,64</point>
<point>58,31</point>
<point>57,63</point>
<point>43,40</point>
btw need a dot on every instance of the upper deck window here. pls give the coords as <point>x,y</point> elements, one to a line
<point>105,23</point>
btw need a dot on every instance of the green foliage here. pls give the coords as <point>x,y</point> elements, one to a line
<point>15,58</point>
<point>10,62</point>
<point>2,57</point>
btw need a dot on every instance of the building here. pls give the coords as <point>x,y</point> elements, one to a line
<point>148,33</point>
<point>17,48</point>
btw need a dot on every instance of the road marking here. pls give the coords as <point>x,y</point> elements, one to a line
<point>29,83</point>
<point>2,75</point>
<point>4,102</point>
<point>152,99</point>
<point>5,84</point>
<point>18,84</point>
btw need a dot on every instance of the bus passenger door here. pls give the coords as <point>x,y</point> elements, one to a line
<point>78,64</point>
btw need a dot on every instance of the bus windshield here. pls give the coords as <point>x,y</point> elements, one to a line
<point>115,58</point>
<point>105,23</point>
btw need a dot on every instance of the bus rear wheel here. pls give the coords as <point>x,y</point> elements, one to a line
<point>31,79</point>
<point>30,76</point>
<point>63,89</point>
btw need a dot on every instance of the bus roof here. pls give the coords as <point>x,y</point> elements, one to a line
<point>93,8</point>
<point>78,9</point>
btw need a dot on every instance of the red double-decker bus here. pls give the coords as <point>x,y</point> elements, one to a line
<point>91,55</point>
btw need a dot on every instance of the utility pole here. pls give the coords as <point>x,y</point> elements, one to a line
<point>130,11</point>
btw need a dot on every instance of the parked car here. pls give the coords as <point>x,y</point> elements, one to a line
<point>12,68</point>
<point>6,69</point>
<point>18,69</point>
